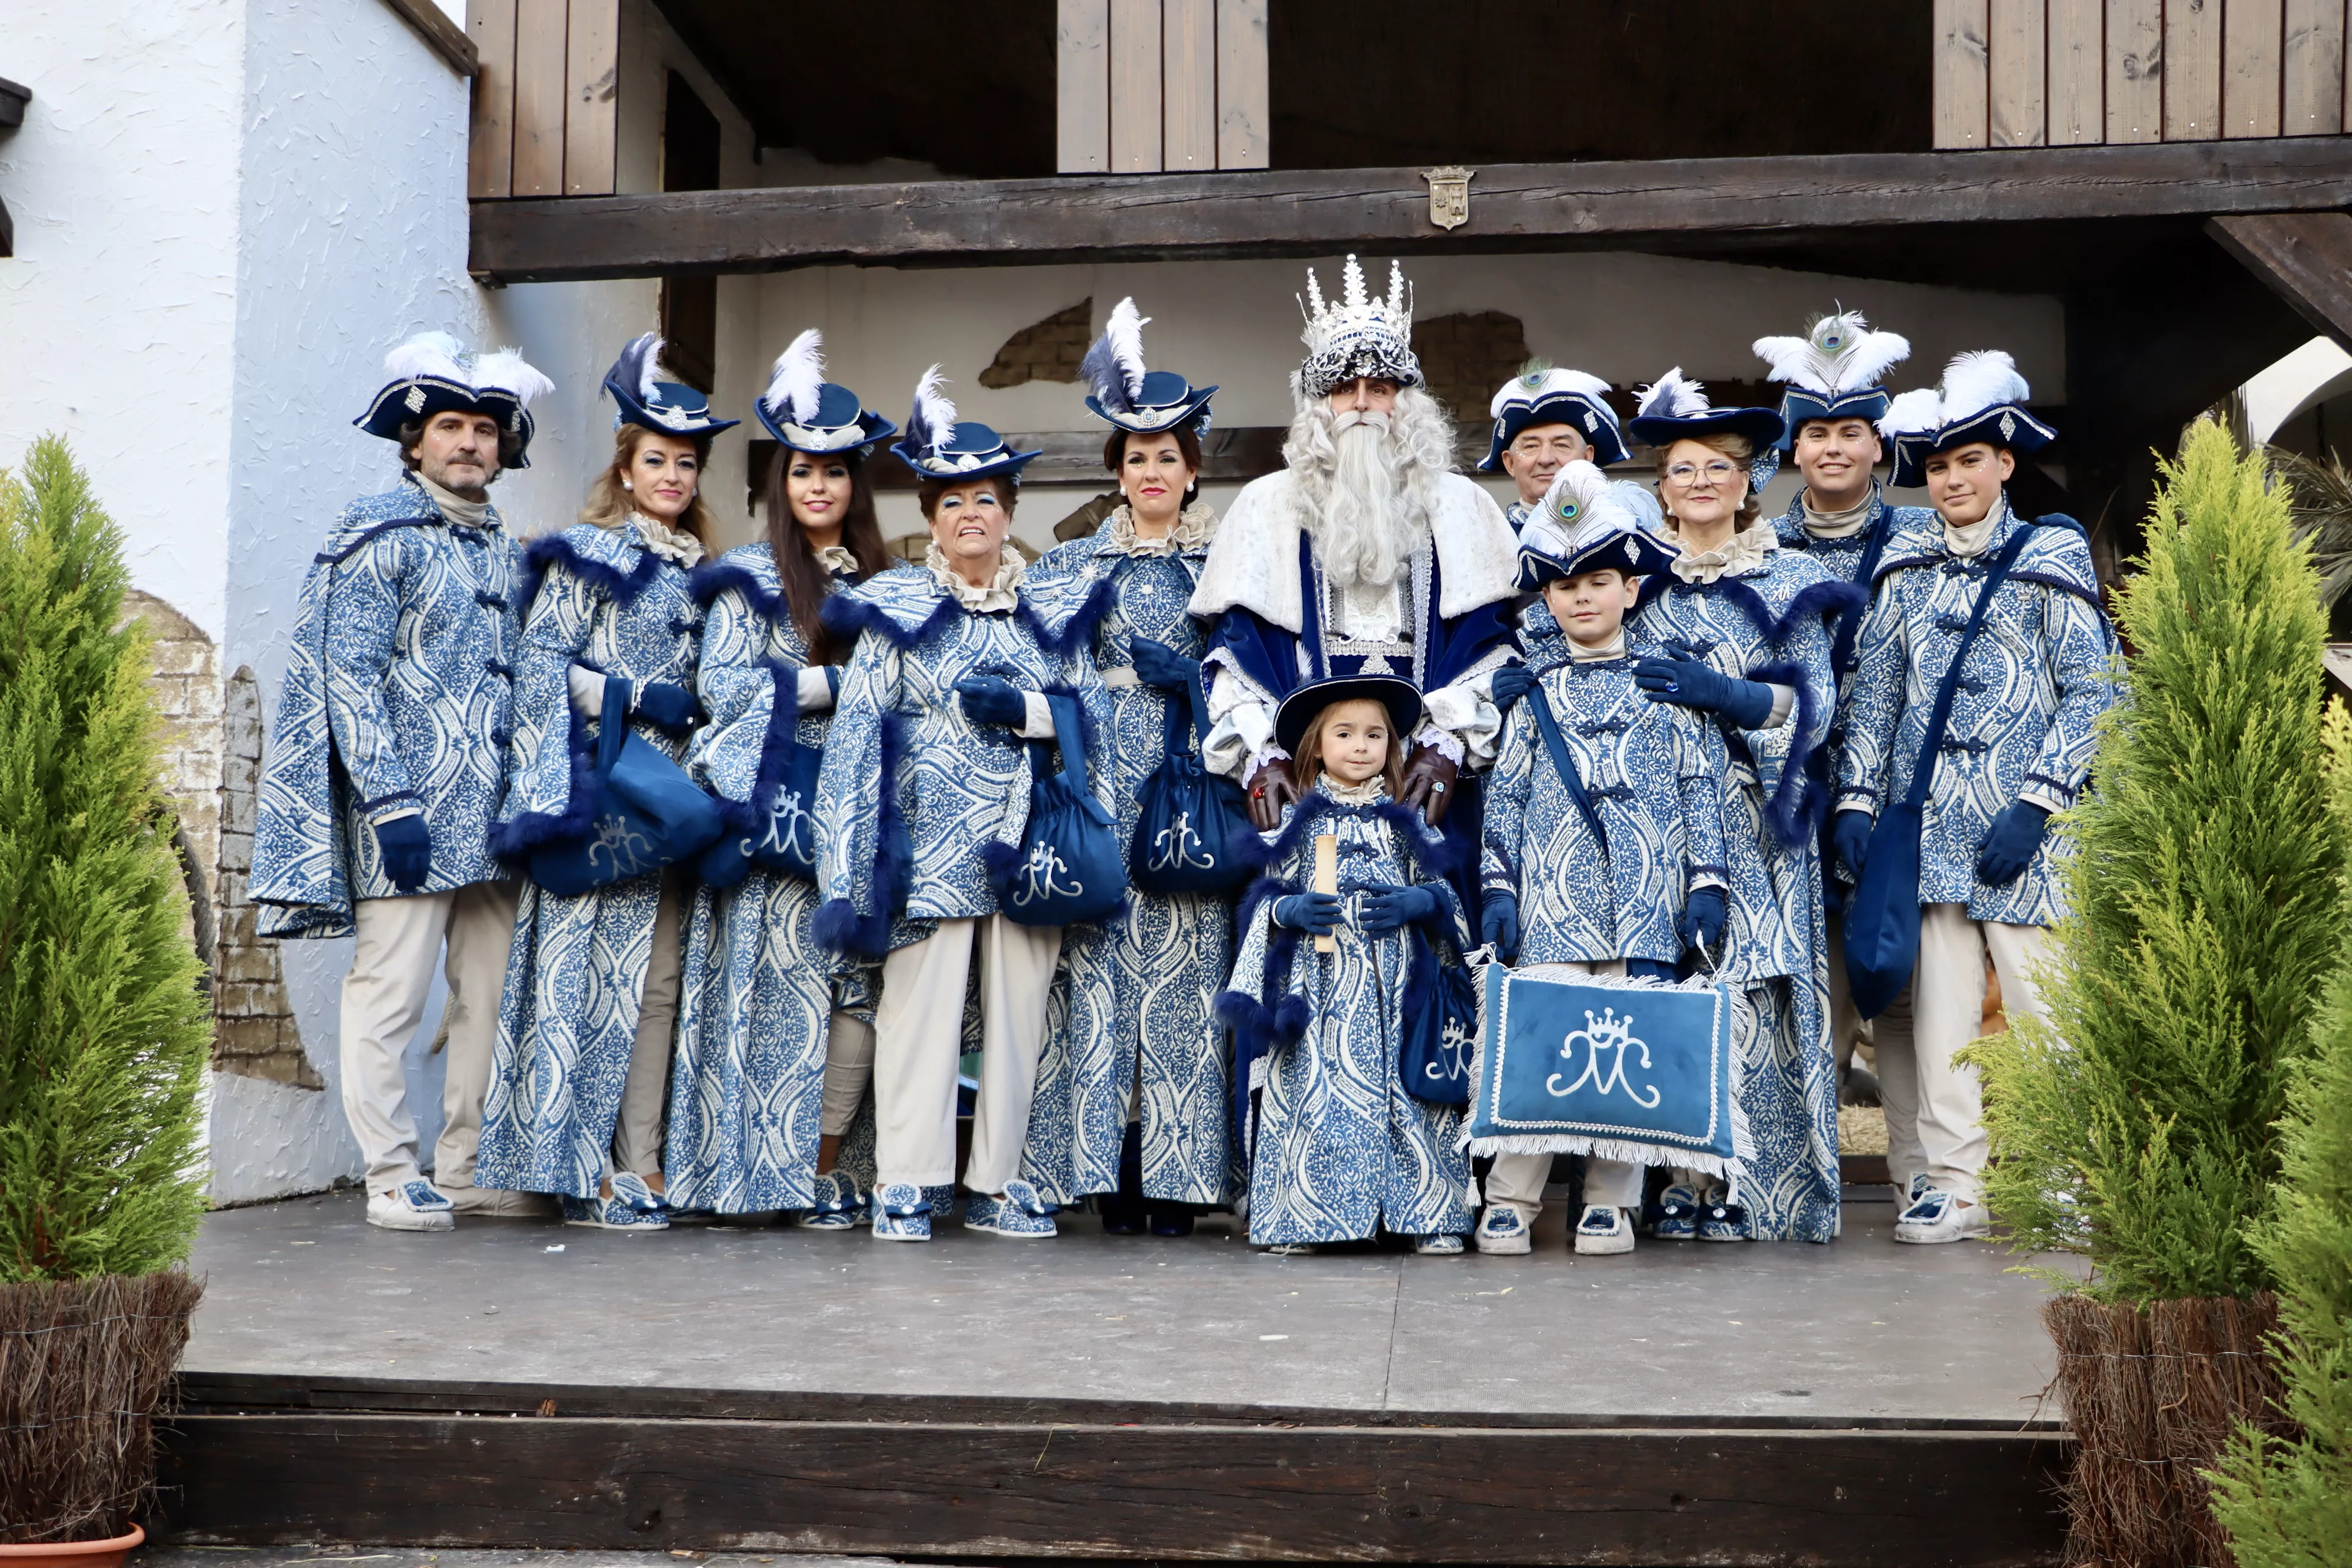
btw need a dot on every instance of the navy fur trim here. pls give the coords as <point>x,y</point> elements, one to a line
<point>712,578</point>
<point>847,617</point>
<point>1079,628</point>
<point>1292,1014</point>
<point>554,549</point>
<point>1000,860</point>
<point>1420,842</point>
<point>512,841</point>
<point>1794,812</point>
<point>837,926</point>
<point>1260,890</point>
<point>1828,600</point>
<point>776,748</point>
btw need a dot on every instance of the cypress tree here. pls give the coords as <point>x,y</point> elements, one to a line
<point>2288,1504</point>
<point>2136,1125</point>
<point>104,1032</point>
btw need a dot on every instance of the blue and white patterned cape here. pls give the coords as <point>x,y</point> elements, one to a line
<point>1769,622</point>
<point>1646,768</point>
<point>1133,1003</point>
<point>2023,719</point>
<point>577,973</point>
<point>1341,1152</point>
<point>756,1003</point>
<point>913,793</point>
<point>398,695</point>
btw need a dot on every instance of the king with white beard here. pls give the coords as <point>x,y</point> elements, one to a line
<point>1368,554</point>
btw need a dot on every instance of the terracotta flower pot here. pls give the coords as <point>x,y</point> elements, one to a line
<point>106,1553</point>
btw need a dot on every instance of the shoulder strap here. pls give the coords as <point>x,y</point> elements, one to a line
<point>1549,728</point>
<point>1850,624</point>
<point>1068,736</point>
<point>1924,771</point>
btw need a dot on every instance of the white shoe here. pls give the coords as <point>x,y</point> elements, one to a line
<point>1503,1230</point>
<point>1939,1217</point>
<point>1603,1231</point>
<point>1447,1246</point>
<point>412,1205</point>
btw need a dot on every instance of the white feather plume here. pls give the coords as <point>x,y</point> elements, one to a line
<point>1537,386</point>
<point>1978,380</point>
<point>1597,509</point>
<point>798,378</point>
<point>932,422</point>
<point>1673,396</point>
<point>429,353</point>
<point>506,370</point>
<point>1838,354</point>
<point>1114,365</point>
<point>1912,413</point>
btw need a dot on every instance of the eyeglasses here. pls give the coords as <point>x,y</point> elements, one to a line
<point>1681,476</point>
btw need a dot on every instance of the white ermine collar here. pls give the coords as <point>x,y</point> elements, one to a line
<point>998,595</point>
<point>669,544</point>
<point>1744,552</point>
<point>1194,526</point>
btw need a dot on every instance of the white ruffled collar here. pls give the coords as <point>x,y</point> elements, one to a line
<point>669,544</point>
<point>1370,792</point>
<point>1002,594</point>
<point>1194,526</point>
<point>1743,552</point>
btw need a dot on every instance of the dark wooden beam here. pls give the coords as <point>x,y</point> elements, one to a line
<point>13,99</point>
<point>442,36</point>
<point>1840,1498</point>
<point>7,233</point>
<point>1536,206</point>
<point>2305,258</point>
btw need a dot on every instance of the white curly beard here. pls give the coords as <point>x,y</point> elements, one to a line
<point>1366,483</point>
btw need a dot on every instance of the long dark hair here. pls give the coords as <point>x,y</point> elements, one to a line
<point>804,582</point>
<point>1187,437</point>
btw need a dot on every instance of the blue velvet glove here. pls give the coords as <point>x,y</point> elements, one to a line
<point>1850,835</point>
<point>1704,913</point>
<point>1510,683</point>
<point>669,705</point>
<point>729,861</point>
<point>993,700</point>
<point>1157,664</point>
<point>1696,684</point>
<point>2010,846</point>
<point>1315,912</point>
<point>1386,909</point>
<point>1498,924</point>
<point>406,845</point>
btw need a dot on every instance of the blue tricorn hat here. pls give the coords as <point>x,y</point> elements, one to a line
<point>1581,526</point>
<point>1982,398</point>
<point>1674,408</point>
<point>1300,709</point>
<point>810,414</point>
<point>937,446</point>
<point>1131,397</point>
<point>671,408</point>
<point>432,375</point>
<point>1566,397</point>
<point>1833,370</point>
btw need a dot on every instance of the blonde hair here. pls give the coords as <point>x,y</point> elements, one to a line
<point>1308,763</point>
<point>1740,450</point>
<point>609,505</point>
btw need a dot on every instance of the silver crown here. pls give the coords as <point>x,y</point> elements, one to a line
<point>1360,335</point>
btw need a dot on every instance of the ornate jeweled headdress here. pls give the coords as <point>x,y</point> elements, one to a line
<point>1360,335</point>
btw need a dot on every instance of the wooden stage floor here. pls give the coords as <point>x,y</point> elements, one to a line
<point>1096,1396</point>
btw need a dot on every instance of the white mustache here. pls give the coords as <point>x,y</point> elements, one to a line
<point>1349,418</point>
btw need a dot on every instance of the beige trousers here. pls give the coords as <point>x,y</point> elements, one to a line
<point>396,943</point>
<point>1519,1179</point>
<point>637,1130</point>
<point>918,1036</point>
<point>1935,1107</point>
<point>848,1070</point>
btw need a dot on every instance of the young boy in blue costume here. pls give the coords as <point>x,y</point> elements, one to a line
<point>1619,870</point>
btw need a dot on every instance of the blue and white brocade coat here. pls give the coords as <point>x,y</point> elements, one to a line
<point>912,793</point>
<point>577,973</point>
<point>1764,616</point>
<point>758,994</point>
<point>398,697</point>
<point>1132,1007</point>
<point>1341,1152</point>
<point>2024,718</point>
<point>1648,771</point>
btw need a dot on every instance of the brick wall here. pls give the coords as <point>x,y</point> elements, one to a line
<point>1049,350</point>
<point>1465,357</point>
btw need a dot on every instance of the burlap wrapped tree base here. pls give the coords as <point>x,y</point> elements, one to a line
<point>84,1364</point>
<point>2153,1394</point>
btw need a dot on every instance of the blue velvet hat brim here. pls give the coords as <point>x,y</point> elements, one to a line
<point>634,412</point>
<point>1153,421</point>
<point>871,426</point>
<point>1300,709</point>
<point>2025,434</point>
<point>1596,422</point>
<point>391,408</point>
<point>1868,403</point>
<point>1762,426</point>
<point>1007,461</point>
<point>1635,554</point>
